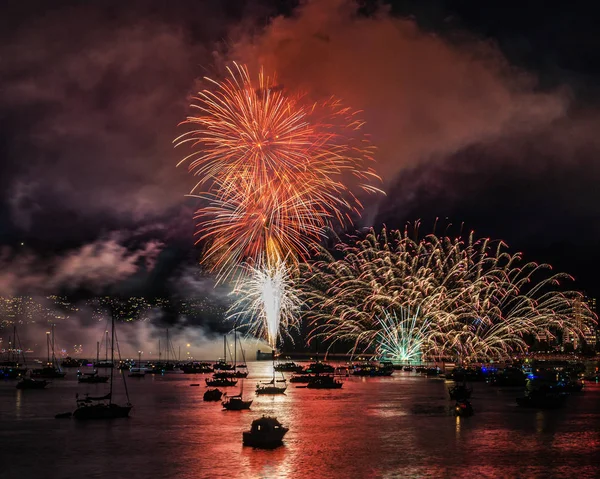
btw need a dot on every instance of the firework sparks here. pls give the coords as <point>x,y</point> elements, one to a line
<point>481,300</point>
<point>403,339</point>
<point>266,301</point>
<point>272,168</point>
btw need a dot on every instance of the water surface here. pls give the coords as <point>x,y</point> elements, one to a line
<point>396,427</point>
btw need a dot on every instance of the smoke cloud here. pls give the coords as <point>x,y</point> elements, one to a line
<point>423,96</point>
<point>94,266</point>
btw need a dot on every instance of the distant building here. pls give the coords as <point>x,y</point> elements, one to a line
<point>588,329</point>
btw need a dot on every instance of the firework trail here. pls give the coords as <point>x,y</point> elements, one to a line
<point>274,171</point>
<point>482,301</point>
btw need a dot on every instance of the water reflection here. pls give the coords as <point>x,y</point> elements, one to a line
<point>373,427</point>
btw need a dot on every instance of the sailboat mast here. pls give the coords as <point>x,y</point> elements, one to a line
<point>234,348</point>
<point>97,352</point>
<point>167,345</point>
<point>53,355</point>
<point>225,348</point>
<point>14,344</point>
<point>112,356</point>
<point>159,355</point>
<point>106,347</point>
<point>48,348</point>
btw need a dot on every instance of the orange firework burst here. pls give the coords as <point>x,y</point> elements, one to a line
<point>274,170</point>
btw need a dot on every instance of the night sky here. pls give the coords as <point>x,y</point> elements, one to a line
<point>484,114</point>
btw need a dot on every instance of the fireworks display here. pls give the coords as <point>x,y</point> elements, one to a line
<point>274,170</point>
<point>267,302</point>
<point>471,299</point>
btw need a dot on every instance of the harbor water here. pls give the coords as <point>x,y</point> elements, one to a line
<point>391,427</point>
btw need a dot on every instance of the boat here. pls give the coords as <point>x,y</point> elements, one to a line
<point>319,368</point>
<point>197,368</point>
<point>69,362</point>
<point>370,369</point>
<point>11,368</point>
<point>52,369</point>
<point>288,367</point>
<point>301,378</point>
<point>570,386</point>
<point>542,399</point>
<point>103,407</point>
<point>266,432</point>
<point>237,403</point>
<point>508,377</point>
<point>463,408</point>
<point>213,395</point>
<point>222,364</point>
<point>28,383</point>
<point>105,364</point>
<point>272,387</point>
<point>240,370</point>
<point>91,378</point>
<point>221,382</point>
<point>460,392</point>
<point>171,367</point>
<point>138,372</point>
<point>323,381</point>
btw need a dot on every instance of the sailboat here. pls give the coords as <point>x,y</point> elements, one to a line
<point>225,375</point>
<point>52,369</point>
<point>11,368</point>
<point>138,372</point>
<point>271,387</point>
<point>222,363</point>
<point>236,367</point>
<point>103,407</point>
<point>237,403</point>
<point>93,377</point>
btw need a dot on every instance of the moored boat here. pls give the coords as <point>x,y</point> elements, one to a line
<point>28,383</point>
<point>237,403</point>
<point>542,399</point>
<point>266,432</point>
<point>460,392</point>
<point>323,381</point>
<point>213,395</point>
<point>463,408</point>
<point>221,382</point>
<point>91,378</point>
<point>103,407</point>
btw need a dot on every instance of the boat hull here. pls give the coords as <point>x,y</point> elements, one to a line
<point>268,441</point>
<point>270,390</point>
<point>32,384</point>
<point>237,405</point>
